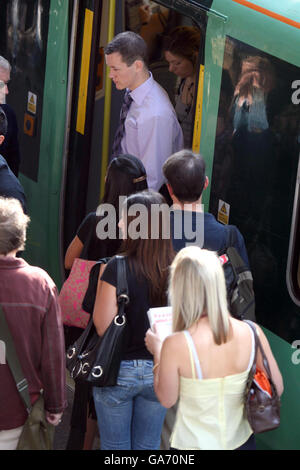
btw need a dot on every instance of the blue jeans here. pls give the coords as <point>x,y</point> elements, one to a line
<point>129,415</point>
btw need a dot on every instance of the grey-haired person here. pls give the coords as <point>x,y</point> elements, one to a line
<point>29,300</point>
<point>10,149</point>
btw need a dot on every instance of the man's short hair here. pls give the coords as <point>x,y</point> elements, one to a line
<point>130,46</point>
<point>185,172</point>
<point>3,122</point>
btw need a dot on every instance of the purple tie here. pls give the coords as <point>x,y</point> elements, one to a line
<point>116,150</point>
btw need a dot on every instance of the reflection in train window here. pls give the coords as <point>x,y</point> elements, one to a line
<point>25,36</point>
<point>172,39</point>
<point>293,268</point>
<point>255,163</point>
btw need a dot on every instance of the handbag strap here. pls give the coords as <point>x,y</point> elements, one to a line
<point>231,236</point>
<point>13,361</point>
<point>87,243</point>
<point>258,345</point>
<point>122,286</point>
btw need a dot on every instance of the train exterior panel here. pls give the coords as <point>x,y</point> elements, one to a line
<point>259,180</point>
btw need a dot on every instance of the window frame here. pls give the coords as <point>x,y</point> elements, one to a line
<point>293,262</point>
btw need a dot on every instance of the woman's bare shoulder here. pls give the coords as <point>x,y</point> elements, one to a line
<point>174,340</point>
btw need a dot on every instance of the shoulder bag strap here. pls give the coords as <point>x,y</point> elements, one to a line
<point>122,287</point>
<point>231,236</point>
<point>265,360</point>
<point>13,361</point>
<point>256,340</point>
<point>259,345</point>
<point>86,246</point>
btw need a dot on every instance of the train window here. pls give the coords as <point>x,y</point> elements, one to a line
<point>25,46</point>
<point>255,163</point>
<point>293,268</point>
<point>28,14</point>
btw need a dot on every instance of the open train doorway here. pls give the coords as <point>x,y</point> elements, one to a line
<point>90,143</point>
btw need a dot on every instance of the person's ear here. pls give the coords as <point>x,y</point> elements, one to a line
<point>206,182</point>
<point>1,139</point>
<point>139,65</point>
<point>170,189</point>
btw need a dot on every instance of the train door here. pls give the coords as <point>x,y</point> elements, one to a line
<point>96,107</point>
<point>85,76</point>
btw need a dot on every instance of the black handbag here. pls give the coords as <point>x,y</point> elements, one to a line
<point>96,359</point>
<point>37,433</point>
<point>262,409</point>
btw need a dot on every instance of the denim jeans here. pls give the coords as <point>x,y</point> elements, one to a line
<point>129,415</point>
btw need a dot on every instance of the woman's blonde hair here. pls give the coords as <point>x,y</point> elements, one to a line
<point>13,225</point>
<point>197,288</point>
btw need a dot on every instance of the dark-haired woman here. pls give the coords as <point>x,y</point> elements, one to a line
<point>126,174</point>
<point>129,414</point>
<point>181,51</point>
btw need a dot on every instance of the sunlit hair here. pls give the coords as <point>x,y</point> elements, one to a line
<point>13,226</point>
<point>256,72</point>
<point>126,175</point>
<point>130,46</point>
<point>150,256</point>
<point>197,288</point>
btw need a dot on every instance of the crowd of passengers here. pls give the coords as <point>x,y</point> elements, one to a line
<point>152,376</point>
<point>208,347</point>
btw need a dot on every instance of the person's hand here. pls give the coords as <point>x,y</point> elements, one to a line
<point>145,14</point>
<point>153,342</point>
<point>53,418</point>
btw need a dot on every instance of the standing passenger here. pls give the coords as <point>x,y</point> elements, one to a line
<point>10,149</point>
<point>125,175</point>
<point>148,126</point>
<point>29,300</point>
<point>181,52</point>
<point>129,414</point>
<point>206,362</point>
<point>10,186</point>
<point>186,180</point>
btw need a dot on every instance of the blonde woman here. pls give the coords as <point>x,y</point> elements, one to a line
<point>206,361</point>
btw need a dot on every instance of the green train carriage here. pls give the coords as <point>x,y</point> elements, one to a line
<point>67,112</point>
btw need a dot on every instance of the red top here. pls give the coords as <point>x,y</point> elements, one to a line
<point>29,300</point>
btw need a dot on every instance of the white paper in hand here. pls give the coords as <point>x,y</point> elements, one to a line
<point>162,317</point>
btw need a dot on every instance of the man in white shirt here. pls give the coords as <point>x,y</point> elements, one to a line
<point>150,130</point>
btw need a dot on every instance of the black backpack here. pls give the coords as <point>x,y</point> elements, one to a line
<point>239,281</point>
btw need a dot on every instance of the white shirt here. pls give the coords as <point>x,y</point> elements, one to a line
<point>152,131</point>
